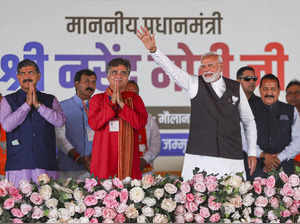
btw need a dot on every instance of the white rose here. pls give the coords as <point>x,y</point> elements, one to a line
<point>159,192</point>
<point>1,211</point>
<point>78,194</point>
<point>45,192</point>
<point>84,220</point>
<point>131,212</point>
<point>246,212</point>
<point>126,180</point>
<point>63,214</point>
<point>53,213</point>
<point>160,218</point>
<point>245,187</point>
<point>229,208</point>
<point>148,211</point>
<point>149,201</point>
<point>25,187</point>
<point>234,181</point>
<point>170,188</point>
<point>226,220</point>
<point>236,201</point>
<point>168,204</point>
<point>107,184</point>
<point>25,208</point>
<point>137,194</point>
<point>141,219</point>
<point>71,207</point>
<point>248,200</point>
<point>52,221</point>
<point>80,207</point>
<point>52,203</point>
<point>236,215</point>
<point>43,179</point>
<point>136,183</point>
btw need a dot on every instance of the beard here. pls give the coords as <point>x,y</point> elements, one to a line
<point>214,77</point>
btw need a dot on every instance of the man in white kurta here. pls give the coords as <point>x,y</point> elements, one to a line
<point>211,71</point>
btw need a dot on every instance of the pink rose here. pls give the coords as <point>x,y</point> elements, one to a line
<point>100,194</point>
<point>199,218</point>
<point>190,197</point>
<point>200,187</point>
<point>287,190</point>
<point>179,219</point>
<point>297,194</point>
<point>114,193</point>
<point>90,200</point>
<point>110,201</point>
<point>180,210</point>
<point>271,182</point>
<point>263,181</point>
<point>191,206</point>
<point>258,211</point>
<point>185,187</point>
<point>204,212</point>
<point>285,213</point>
<point>90,183</point>
<point>117,183</point>
<point>108,221</point>
<point>120,218</point>
<point>89,212</point>
<point>94,220</point>
<point>15,194</point>
<point>214,205</point>
<point>98,211</point>
<point>269,191</point>
<point>283,177</point>
<point>287,201</point>
<point>25,187</point>
<point>257,186</point>
<point>9,203</point>
<point>36,198</point>
<point>294,209</point>
<point>123,196</point>
<point>17,212</point>
<point>17,221</point>
<point>211,183</point>
<point>215,218</point>
<point>199,198</point>
<point>188,217</point>
<point>37,213</point>
<point>147,181</point>
<point>108,213</point>
<point>261,201</point>
<point>122,207</point>
<point>274,202</point>
<point>294,180</point>
<point>3,192</point>
<point>198,178</point>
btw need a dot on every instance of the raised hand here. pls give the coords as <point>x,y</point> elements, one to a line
<point>114,94</point>
<point>35,101</point>
<point>29,99</point>
<point>147,39</point>
<point>120,100</point>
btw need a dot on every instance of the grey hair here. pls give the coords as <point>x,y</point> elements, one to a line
<point>212,53</point>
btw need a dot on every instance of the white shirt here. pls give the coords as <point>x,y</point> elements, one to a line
<point>190,84</point>
<point>153,139</point>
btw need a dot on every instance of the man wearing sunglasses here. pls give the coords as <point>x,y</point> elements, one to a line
<point>247,78</point>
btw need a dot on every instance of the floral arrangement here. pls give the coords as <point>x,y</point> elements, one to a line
<point>154,199</point>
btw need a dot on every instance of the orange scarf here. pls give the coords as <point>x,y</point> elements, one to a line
<point>2,151</point>
<point>125,141</point>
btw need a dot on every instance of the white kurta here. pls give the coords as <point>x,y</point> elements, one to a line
<point>210,164</point>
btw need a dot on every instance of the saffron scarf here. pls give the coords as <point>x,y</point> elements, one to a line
<point>125,139</point>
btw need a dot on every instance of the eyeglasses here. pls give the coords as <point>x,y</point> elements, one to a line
<point>248,78</point>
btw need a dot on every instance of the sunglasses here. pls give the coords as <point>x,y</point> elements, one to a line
<point>248,78</point>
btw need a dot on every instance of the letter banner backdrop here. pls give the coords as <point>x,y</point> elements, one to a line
<point>66,36</point>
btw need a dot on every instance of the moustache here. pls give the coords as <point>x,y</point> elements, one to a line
<point>90,89</point>
<point>27,80</point>
<point>271,96</point>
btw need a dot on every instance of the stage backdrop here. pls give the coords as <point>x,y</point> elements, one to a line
<point>65,36</point>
